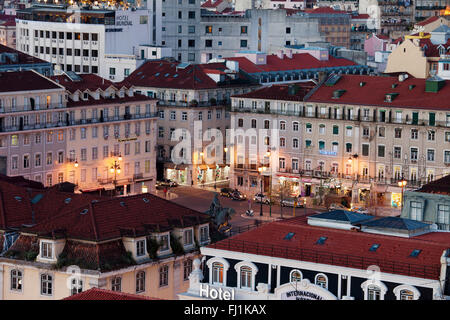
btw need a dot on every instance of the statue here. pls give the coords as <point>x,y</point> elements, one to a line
<point>220,216</point>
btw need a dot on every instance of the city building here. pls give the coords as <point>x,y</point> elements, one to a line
<point>431,23</point>
<point>191,97</point>
<point>335,255</point>
<point>420,54</point>
<point>8,30</point>
<point>13,60</point>
<point>378,48</point>
<point>355,135</point>
<point>294,64</point>
<point>397,17</point>
<point>74,128</point>
<point>430,203</point>
<point>103,294</point>
<point>360,30</point>
<point>80,40</point>
<point>62,244</point>
<point>425,9</point>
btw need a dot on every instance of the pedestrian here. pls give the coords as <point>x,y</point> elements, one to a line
<point>165,192</point>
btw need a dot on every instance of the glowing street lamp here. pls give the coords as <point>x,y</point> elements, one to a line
<point>402,184</point>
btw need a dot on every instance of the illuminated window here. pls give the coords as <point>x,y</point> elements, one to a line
<point>296,276</point>
<point>217,273</point>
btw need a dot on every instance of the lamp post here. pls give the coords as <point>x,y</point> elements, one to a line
<point>402,184</point>
<point>201,162</point>
<point>115,168</point>
<point>270,186</point>
<point>261,169</point>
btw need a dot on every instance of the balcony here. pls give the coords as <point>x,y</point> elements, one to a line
<point>181,103</point>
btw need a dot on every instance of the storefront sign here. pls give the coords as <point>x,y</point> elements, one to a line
<point>126,139</point>
<point>328,153</point>
<point>301,295</point>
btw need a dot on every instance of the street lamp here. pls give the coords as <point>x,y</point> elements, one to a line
<point>402,184</point>
<point>261,169</point>
<point>76,164</point>
<point>115,168</point>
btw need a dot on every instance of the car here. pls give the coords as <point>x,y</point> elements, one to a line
<point>337,206</point>
<point>360,210</point>
<point>167,183</point>
<point>237,195</point>
<point>289,202</point>
<point>226,192</point>
<point>260,197</point>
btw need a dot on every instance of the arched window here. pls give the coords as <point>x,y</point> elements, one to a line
<point>246,277</point>
<point>295,143</point>
<point>282,142</point>
<point>322,280</point>
<point>16,280</point>
<point>296,276</point>
<point>406,292</point>
<point>283,125</point>
<point>373,292</point>
<point>217,272</point>
<point>406,295</point>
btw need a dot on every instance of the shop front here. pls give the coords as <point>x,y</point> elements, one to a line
<point>178,173</point>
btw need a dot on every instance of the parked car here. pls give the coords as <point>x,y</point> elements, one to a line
<point>166,183</point>
<point>289,202</point>
<point>260,197</point>
<point>237,195</point>
<point>360,210</point>
<point>337,206</point>
<point>226,192</point>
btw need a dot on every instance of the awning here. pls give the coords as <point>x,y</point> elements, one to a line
<point>203,166</point>
<point>212,166</point>
<point>169,165</point>
<point>109,186</point>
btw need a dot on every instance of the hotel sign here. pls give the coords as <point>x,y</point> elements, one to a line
<point>328,153</point>
<point>303,290</point>
<point>301,295</point>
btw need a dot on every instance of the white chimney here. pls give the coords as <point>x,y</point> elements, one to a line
<point>280,54</point>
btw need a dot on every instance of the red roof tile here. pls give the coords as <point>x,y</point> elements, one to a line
<point>374,91</point>
<point>23,58</point>
<point>327,10</point>
<point>166,74</point>
<point>440,186</point>
<point>102,294</point>
<point>342,247</point>
<point>427,21</point>
<point>90,82</point>
<point>25,81</point>
<point>280,92</point>
<point>298,61</point>
<point>107,219</point>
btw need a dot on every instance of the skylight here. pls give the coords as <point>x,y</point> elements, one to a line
<point>157,74</point>
<point>321,240</point>
<point>67,201</point>
<point>18,198</point>
<point>122,203</point>
<point>84,211</point>
<point>145,200</point>
<point>289,236</point>
<point>167,74</point>
<point>374,247</point>
<point>415,253</point>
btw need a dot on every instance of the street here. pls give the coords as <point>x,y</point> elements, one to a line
<point>200,200</point>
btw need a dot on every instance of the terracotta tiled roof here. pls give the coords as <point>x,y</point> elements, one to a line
<point>281,92</point>
<point>373,93</point>
<point>91,82</point>
<point>166,74</point>
<point>440,186</point>
<point>23,58</point>
<point>102,294</point>
<point>430,49</point>
<point>327,10</point>
<point>299,61</point>
<point>91,101</point>
<point>343,247</point>
<point>109,219</point>
<point>427,21</point>
<point>25,81</point>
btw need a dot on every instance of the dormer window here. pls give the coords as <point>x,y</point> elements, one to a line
<point>164,242</point>
<point>140,248</point>
<point>85,95</point>
<point>188,237</point>
<point>46,250</point>
<point>204,234</point>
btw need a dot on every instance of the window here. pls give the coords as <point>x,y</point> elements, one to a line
<point>187,268</point>
<point>188,237</point>
<point>282,142</point>
<point>296,276</point>
<point>381,150</point>
<point>204,234</point>
<point>335,129</point>
<point>140,281</point>
<point>406,295</point>
<point>140,248</point>
<point>373,293</point>
<point>26,161</point>
<point>116,284</point>
<point>164,276</point>
<point>398,133</point>
<point>164,241</point>
<point>322,129</point>
<point>295,126</point>
<point>308,128</point>
<point>16,280</point>
<point>295,143</point>
<point>46,250</point>
<point>414,152</point>
<point>397,152</point>
<point>217,273</point>
<point>76,286</point>
<point>282,125</point>
<point>348,131</point>
<point>414,134</point>
<point>443,214</point>
<point>430,154</point>
<point>381,132</point>
<point>246,277</point>
<point>416,210</point>
<point>348,147</point>
<point>191,14</point>
<point>365,150</point>
<point>431,135</point>
<point>46,284</point>
<point>446,157</point>
<point>244,29</point>
<point>321,281</point>
<point>243,43</point>
<point>208,29</point>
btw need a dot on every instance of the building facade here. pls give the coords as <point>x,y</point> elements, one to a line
<point>139,250</point>
<point>356,135</point>
<point>46,125</point>
<point>320,258</point>
<point>8,31</point>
